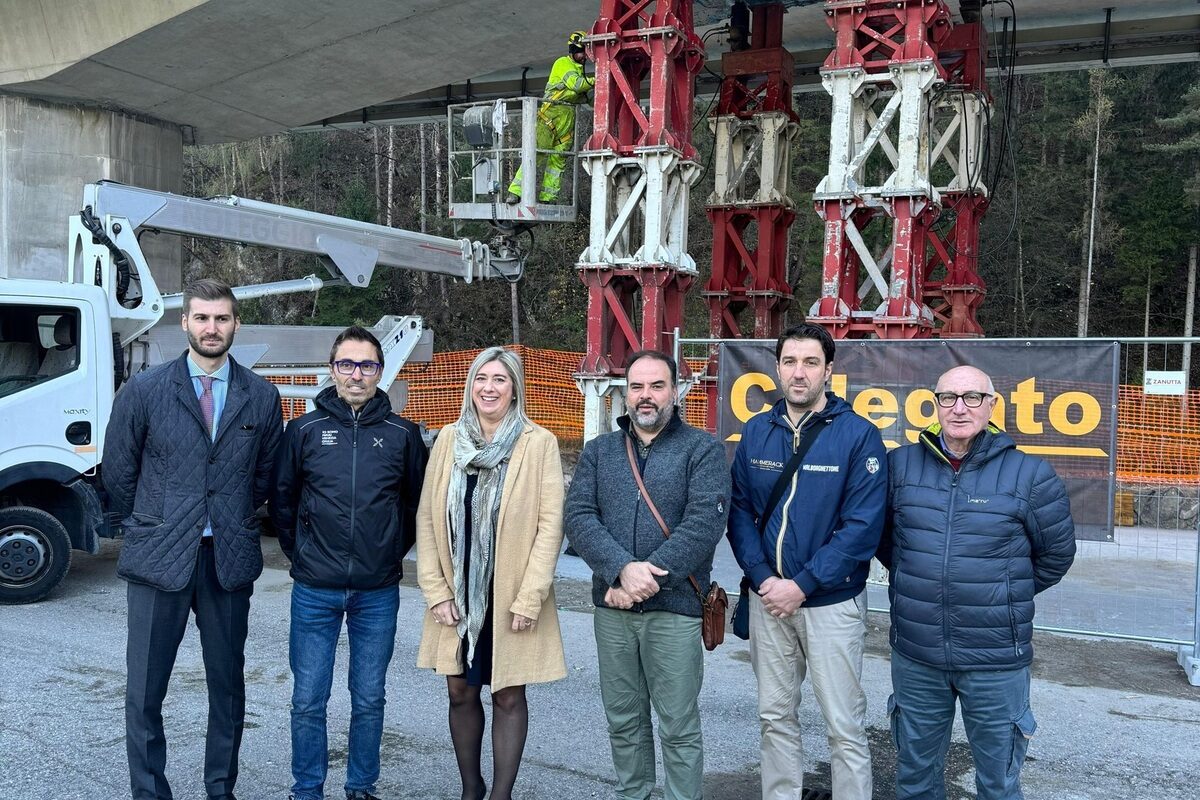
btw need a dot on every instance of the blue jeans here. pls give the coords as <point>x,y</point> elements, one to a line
<point>316,626</point>
<point>996,715</point>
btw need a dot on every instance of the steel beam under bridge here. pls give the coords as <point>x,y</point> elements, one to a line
<point>1051,35</point>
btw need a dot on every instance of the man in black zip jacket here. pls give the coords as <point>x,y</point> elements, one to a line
<point>347,483</point>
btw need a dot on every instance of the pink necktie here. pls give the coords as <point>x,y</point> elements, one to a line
<point>206,401</point>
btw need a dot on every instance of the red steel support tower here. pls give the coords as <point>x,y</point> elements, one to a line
<point>910,105</point>
<point>636,266</point>
<point>753,127</point>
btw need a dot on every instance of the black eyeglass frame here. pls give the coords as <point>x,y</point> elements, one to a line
<point>937,396</point>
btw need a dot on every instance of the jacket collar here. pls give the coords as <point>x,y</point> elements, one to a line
<point>990,442</point>
<point>834,405</point>
<point>377,408</point>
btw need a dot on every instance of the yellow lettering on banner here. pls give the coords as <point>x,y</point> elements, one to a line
<point>739,398</point>
<point>877,405</point>
<point>1072,413</point>
<point>1025,398</point>
<point>1076,452</point>
<point>998,413</point>
<point>1089,419</point>
<point>837,385</point>
<point>914,411</point>
<point>739,394</point>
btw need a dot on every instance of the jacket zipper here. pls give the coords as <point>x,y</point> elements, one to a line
<point>1012,614</point>
<point>946,568</point>
<point>783,523</point>
<point>946,550</point>
<point>353,496</point>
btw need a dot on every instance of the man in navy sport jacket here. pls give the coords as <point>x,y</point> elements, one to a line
<point>807,563</point>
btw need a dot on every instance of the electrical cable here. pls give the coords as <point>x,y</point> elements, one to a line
<point>1008,135</point>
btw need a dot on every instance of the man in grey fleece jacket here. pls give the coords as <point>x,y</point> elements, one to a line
<point>648,614</point>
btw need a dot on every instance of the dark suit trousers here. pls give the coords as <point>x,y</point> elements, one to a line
<point>157,621</point>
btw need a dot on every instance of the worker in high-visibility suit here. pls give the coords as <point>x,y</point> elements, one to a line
<point>566,87</point>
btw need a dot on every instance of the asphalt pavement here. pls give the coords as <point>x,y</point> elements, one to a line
<point>1116,719</point>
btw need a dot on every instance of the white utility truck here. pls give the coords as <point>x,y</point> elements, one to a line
<point>66,348</point>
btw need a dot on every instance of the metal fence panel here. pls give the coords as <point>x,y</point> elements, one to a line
<point>1137,577</point>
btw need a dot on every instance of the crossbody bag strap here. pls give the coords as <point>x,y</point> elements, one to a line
<point>637,476</point>
<point>806,441</point>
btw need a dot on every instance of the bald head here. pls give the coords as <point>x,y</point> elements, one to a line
<point>967,374</point>
<point>965,399</point>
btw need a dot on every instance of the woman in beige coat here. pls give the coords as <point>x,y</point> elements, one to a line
<point>489,530</point>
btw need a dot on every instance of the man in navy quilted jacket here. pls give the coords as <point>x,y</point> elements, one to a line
<point>975,529</point>
<point>187,460</point>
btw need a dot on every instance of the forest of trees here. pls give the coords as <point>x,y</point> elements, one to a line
<point>1035,238</point>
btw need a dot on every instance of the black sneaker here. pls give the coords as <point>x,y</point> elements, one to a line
<point>357,795</point>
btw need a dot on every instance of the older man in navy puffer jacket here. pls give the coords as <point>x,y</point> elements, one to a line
<point>975,529</point>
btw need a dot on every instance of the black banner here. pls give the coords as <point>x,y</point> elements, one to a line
<point>1057,400</point>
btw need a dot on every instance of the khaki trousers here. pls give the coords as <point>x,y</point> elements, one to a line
<point>827,643</point>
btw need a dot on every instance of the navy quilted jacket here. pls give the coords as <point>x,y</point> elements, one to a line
<point>166,476</point>
<point>968,550</point>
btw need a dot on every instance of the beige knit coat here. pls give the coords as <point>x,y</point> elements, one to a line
<point>528,540</point>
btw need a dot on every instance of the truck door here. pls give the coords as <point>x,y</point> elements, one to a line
<point>49,378</point>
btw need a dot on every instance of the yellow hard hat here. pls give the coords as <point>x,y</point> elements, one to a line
<point>575,40</point>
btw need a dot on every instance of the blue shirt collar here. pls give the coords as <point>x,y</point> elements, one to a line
<point>194,370</point>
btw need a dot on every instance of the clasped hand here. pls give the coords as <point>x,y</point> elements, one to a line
<point>638,584</point>
<point>780,597</point>
<point>446,613</point>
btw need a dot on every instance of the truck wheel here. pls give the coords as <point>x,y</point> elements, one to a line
<point>35,554</point>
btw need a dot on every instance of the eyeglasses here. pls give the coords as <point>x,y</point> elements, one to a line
<point>970,399</point>
<point>368,369</point>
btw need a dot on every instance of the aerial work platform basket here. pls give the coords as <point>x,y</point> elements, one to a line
<point>493,149</point>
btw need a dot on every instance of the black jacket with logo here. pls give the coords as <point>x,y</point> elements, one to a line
<point>346,492</point>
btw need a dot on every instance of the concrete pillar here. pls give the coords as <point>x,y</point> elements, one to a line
<point>48,151</point>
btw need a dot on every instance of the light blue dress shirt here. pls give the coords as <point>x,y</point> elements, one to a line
<point>220,391</point>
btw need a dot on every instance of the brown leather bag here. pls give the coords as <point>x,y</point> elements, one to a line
<point>715,602</point>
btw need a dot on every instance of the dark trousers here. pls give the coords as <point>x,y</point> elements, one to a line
<point>157,621</point>
<point>996,716</point>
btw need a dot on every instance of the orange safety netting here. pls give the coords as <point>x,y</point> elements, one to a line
<point>553,400</point>
<point>1158,437</point>
<point>435,390</point>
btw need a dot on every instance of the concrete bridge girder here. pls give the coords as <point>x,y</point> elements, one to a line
<point>236,69</point>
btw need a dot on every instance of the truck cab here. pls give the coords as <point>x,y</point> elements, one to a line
<point>56,391</point>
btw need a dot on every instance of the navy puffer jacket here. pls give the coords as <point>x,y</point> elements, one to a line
<point>968,550</point>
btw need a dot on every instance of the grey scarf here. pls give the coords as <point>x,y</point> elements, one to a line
<point>488,460</point>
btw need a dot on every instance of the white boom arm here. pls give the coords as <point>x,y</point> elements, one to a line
<point>105,248</point>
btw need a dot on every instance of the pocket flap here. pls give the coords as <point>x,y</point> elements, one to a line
<point>1025,723</point>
